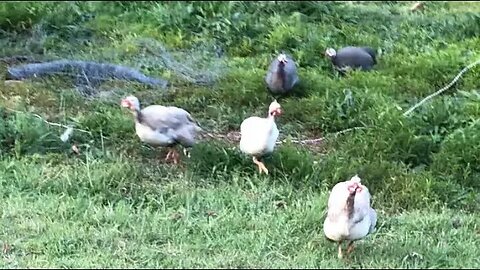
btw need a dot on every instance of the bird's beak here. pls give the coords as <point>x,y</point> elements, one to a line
<point>125,103</point>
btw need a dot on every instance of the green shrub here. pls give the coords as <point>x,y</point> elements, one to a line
<point>23,134</point>
<point>458,157</point>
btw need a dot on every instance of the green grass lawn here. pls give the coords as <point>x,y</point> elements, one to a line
<point>118,204</point>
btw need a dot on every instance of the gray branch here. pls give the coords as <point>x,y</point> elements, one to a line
<point>82,69</point>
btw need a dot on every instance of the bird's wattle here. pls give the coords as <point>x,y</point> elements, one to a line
<point>354,188</point>
<point>126,103</point>
<point>276,112</point>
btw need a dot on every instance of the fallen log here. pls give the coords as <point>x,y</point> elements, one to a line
<point>92,72</point>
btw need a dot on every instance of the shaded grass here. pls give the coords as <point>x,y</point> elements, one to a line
<point>229,226</point>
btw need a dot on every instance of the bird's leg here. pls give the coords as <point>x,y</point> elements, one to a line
<point>170,154</point>
<point>261,166</point>
<point>340,254</point>
<point>176,156</point>
<point>350,247</point>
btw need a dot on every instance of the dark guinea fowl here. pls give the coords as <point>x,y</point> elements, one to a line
<point>282,75</point>
<point>363,58</point>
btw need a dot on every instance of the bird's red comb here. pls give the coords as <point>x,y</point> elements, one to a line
<point>126,103</point>
<point>354,187</point>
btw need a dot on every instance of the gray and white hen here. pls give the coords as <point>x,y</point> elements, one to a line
<point>163,126</point>
<point>350,216</point>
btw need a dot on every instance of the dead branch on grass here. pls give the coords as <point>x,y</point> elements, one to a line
<point>443,89</point>
<point>89,70</point>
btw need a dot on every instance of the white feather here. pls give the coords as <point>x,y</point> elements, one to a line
<point>258,135</point>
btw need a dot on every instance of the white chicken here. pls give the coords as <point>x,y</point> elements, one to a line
<point>259,135</point>
<point>350,216</point>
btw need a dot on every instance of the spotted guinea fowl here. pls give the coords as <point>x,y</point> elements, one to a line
<point>363,58</point>
<point>350,216</point>
<point>165,126</point>
<point>259,135</point>
<point>282,75</point>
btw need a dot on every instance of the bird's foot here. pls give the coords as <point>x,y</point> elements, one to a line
<point>350,248</point>
<point>261,166</point>
<point>340,253</point>
<point>176,157</point>
<point>169,155</point>
<point>172,155</point>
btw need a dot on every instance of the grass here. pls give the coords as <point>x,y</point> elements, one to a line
<point>117,204</point>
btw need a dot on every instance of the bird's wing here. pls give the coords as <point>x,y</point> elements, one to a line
<point>353,55</point>
<point>291,72</point>
<point>360,212</point>
<point>372,53</point>
<point>162,118</point>
<point>273,66</point>
<point>255,124</point>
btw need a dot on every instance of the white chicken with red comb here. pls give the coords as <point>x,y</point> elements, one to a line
<point>350,216</point>
<point>259,135</point>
